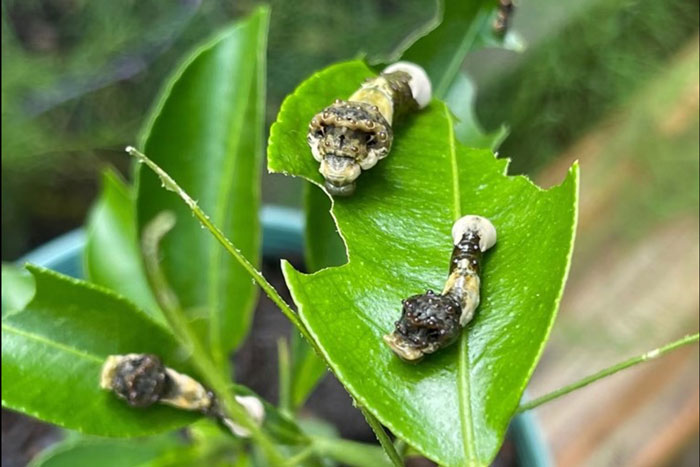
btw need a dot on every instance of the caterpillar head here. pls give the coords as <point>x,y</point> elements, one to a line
<point>428,322</point>
<point>346,138</point>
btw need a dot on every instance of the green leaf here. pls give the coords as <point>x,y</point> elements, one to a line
<point>17,288</point>
<point>458,28</point>
<point>307,369</point>
<point>323,246</point>
<point>455,406</point>
<point>206,131</point>
<point>54,349</point>
<point>112,253</point>
<point>460,99</point>
<point>464,26</point>
<point>90,452</point>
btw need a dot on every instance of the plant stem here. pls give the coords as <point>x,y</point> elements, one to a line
<point>383,438</point>
<point>652,354</point>
<point>285,376</point>
<point>170,184</point>
<point>172,310</point>
<point>270,291</point>
<point>401,447</point>
<point>300,457</point>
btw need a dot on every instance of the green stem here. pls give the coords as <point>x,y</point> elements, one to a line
<point>170,184</point>
<point>270,291</point>
<point>172,310</point>
<point>383,438</point>
<point>285,376</point>
<point>303,455</point>
<point>651,355</point>
<point>401,447</point>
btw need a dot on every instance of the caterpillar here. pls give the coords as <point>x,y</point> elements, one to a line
<point>142,380</point>
<point>503,17</point>
<point>432,321</point>
<point>352,135</point>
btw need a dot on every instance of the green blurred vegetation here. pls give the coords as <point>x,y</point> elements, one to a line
<point>79,76</point>
<point>564,84</point>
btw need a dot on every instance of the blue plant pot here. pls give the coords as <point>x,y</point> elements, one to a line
<point>282,233</point>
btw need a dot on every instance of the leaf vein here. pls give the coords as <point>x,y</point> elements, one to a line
<point>51,343</point>
<point>463,370</point>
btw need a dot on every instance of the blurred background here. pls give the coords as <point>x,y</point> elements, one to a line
<point>611,83</point>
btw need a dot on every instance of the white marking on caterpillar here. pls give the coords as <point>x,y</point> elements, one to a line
<point>421,89</point>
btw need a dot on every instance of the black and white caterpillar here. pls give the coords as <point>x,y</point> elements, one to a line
<point>142,380</point>
<point>350,136</point>
<point>432,321</point>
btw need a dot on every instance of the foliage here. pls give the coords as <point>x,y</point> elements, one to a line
<point>71,326</point>
<point>590,66</point>
<point>190,301</point>
<point>396,228</point>
<point>216,151</point>
<point>54,348</point>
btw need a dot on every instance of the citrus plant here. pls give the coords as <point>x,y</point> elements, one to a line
<point>157,283</point>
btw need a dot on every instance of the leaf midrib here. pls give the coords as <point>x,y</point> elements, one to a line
<point>252,84</point>
<point>50,343</point>
<point>463,370</point>
<point>216,253</point>
<point>458,58</point>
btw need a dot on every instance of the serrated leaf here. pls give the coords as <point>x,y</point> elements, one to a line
<point>458,28</point>
<point>112,254</point>
<point>207,133</point>
<point>53,350</point>
<point>455,406</point>
<point>17,288</point>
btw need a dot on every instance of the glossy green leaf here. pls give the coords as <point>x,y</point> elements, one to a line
<point>459,28</point>
<point>53,350</point>
<point>106,452</point>
<point>464,26</point>
<point>323,246</point>
<point>17,288</point>
<point>112,253</point>
<point>455,406</point>
<point>206,131</point>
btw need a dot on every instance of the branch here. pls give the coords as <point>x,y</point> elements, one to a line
<point>383,438</point>
<point>170,185</point>
<point>172,310</point>
<point>651,355</point>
